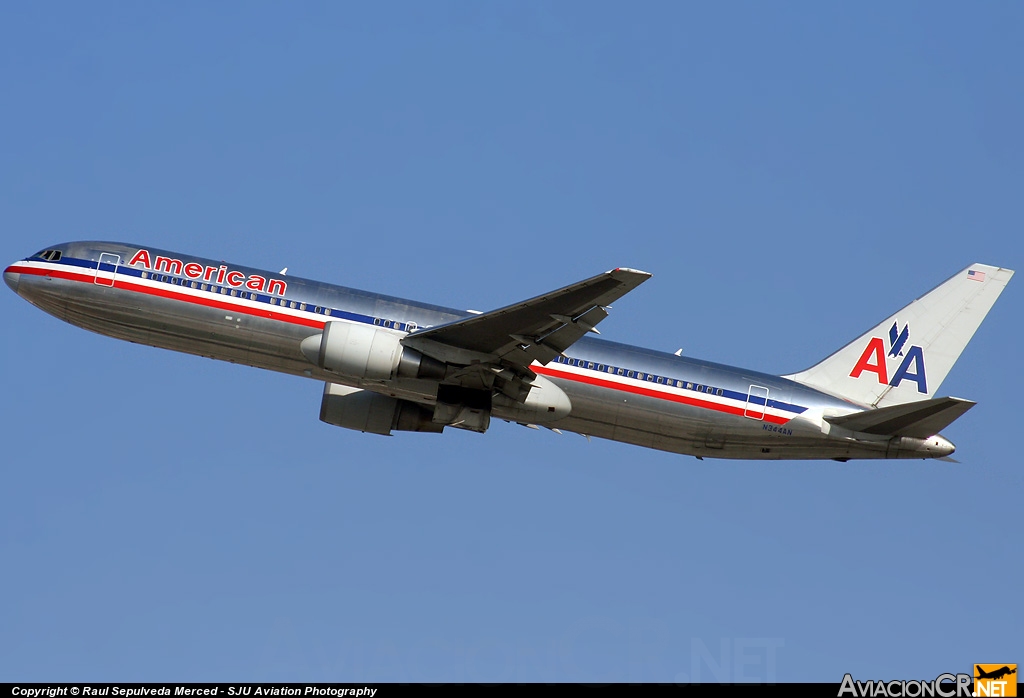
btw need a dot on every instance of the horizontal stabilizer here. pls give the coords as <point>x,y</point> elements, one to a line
<point>916,419</point>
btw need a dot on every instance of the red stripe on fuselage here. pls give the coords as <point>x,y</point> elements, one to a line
<point>174,295</point>
<point>647,392</point>
<point>319,324</point>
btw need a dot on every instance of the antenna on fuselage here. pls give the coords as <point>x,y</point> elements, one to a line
<point>283,271</point>
<point>678,352</point>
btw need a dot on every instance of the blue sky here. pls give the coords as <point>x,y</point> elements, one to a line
<point>789,174</point>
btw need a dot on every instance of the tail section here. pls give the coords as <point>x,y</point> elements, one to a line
<point>906,357</point>
<point>918,420</point>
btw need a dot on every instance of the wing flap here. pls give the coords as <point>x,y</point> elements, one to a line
<point>916,419</point>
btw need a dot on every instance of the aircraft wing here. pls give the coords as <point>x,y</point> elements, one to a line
<point>538,329</point>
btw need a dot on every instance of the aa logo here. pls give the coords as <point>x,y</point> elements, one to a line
<point>875,359</point>
<point>995,680</point>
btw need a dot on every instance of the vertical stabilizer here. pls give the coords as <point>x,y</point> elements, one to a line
<point>907,356</point>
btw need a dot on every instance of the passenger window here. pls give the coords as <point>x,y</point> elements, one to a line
<point>327,312</point>
<point>661,380</point>
<point>203,287</point>
<point>234,292</point>
<point>145,275</point>
<point>650,377</point>
<point>302,306</point>
<point>631,374</point>
<point>621,372</point>
<point>720,391</point>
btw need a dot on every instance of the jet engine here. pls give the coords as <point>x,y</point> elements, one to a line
<point>360,351</point>
<point>367,411</point>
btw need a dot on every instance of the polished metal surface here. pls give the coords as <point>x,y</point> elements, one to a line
<point>721,412</point>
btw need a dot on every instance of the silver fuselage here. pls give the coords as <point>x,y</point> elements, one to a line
<point>618,392</point>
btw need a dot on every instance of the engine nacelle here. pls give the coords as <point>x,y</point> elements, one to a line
<point>367,411</point>
<point>361,351</point>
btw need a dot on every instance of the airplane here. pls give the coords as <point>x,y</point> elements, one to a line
<point>390,364</point>
<point>996,674</point>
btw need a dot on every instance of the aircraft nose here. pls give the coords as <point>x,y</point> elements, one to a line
<point>11,278</point>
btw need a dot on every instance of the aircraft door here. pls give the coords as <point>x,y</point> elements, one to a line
<point>106,268</point>
<point>757,401</point>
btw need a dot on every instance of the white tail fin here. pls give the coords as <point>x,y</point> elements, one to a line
<point>907,356</point>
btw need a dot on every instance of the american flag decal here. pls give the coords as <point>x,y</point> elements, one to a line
<point>976,275</point>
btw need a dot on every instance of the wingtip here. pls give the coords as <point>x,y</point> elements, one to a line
<point>631,272</point>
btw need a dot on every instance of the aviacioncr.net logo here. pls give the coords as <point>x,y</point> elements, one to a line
<point>875,359</point>
<point>995,680</point>
<point>944,686</point>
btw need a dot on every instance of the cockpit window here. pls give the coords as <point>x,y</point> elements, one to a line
<point>49,255</point>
